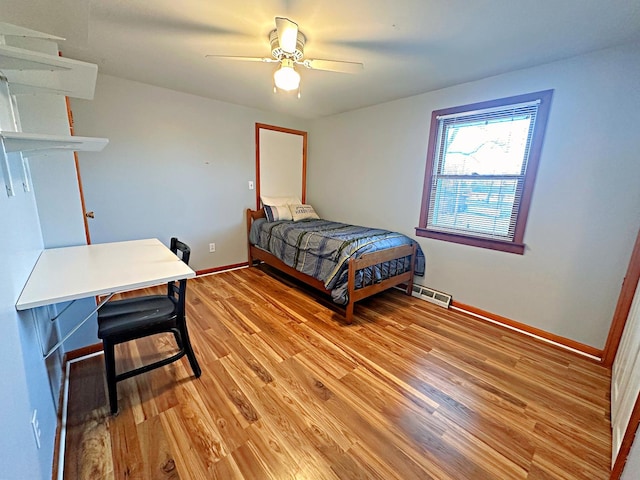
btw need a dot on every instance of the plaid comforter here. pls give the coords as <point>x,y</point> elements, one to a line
<point>321,249</point>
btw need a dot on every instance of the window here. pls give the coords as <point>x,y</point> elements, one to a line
<point>481,167</point>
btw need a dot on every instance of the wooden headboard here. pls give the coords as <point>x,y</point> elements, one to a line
<point>253,215</point>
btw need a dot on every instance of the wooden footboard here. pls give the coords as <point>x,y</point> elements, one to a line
<point>355,264</point>
<point>377,258</point>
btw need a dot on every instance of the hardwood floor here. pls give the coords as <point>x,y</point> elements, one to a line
<point>408,391</point>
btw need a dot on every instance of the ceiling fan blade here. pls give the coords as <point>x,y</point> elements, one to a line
<point>245,59</point>
<point>287,34</point>
<point>333,65</point>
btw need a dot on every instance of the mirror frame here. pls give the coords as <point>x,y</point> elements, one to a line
<point>264,126</point>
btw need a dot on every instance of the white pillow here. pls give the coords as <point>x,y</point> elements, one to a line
<point>302,212</point>
<point>279,201</point>
<point>275,213</point>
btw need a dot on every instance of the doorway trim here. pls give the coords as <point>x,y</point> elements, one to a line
<point>627,292</point>
<point>264,126</point>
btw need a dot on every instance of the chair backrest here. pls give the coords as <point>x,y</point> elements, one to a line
<point>178,246</point>
<point>177,291</point>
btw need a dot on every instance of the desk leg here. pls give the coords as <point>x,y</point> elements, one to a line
<point>46,355</point>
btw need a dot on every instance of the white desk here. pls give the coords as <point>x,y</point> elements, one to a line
<point>71,273</point>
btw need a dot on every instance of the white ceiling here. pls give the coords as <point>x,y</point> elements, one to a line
<point>407,46</point>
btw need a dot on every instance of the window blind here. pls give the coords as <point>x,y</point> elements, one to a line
<point>479,170</point>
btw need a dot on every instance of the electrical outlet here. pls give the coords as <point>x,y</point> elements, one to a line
<point>36,426</point>
<point>250,185</point>
<point>212,247</point>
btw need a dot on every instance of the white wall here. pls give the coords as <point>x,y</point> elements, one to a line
<point>176,165</point>
<point>54,175</point>
<point>367,167</point>
<point>24,384</point>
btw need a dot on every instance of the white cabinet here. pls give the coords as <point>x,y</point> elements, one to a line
<point>24,71</point>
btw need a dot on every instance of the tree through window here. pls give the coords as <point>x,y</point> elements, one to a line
<point>481,166</point>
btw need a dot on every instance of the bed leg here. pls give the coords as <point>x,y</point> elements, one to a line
<point>348,316</point>
<point>409,289</point>
<point>249,219</point>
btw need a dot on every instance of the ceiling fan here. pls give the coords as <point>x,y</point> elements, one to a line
<point>287,49</point>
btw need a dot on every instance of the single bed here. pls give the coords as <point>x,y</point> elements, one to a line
<point>347,262</point>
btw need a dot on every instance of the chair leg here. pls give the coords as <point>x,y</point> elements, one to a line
<point>110,365</point>
<point>178,336</point>
<point>186,343</point>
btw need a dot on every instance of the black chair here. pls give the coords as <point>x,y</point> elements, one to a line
<point>128,319</point>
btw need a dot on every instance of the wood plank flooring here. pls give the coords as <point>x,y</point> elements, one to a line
<point>288,391</point>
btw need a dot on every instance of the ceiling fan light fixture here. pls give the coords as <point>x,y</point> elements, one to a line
<point>286,78</point>
<point>287,48</point>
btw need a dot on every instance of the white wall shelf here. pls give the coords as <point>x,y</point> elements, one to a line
<point>31,144</point>
<point>10,30</point>
<point>29,71</point>
<point>13,58</point>
<point>25,71</point>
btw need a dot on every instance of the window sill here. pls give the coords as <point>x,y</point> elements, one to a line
<point>510,247</point>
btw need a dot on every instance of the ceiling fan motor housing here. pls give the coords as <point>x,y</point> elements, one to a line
<point>279,54</point>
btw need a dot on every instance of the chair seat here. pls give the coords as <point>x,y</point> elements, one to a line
<point>129,305</point>
<point>118,319</point>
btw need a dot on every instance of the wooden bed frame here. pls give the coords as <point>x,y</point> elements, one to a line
<point>355,264</point>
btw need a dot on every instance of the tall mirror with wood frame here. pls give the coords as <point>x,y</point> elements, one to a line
<point>281,162</point>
